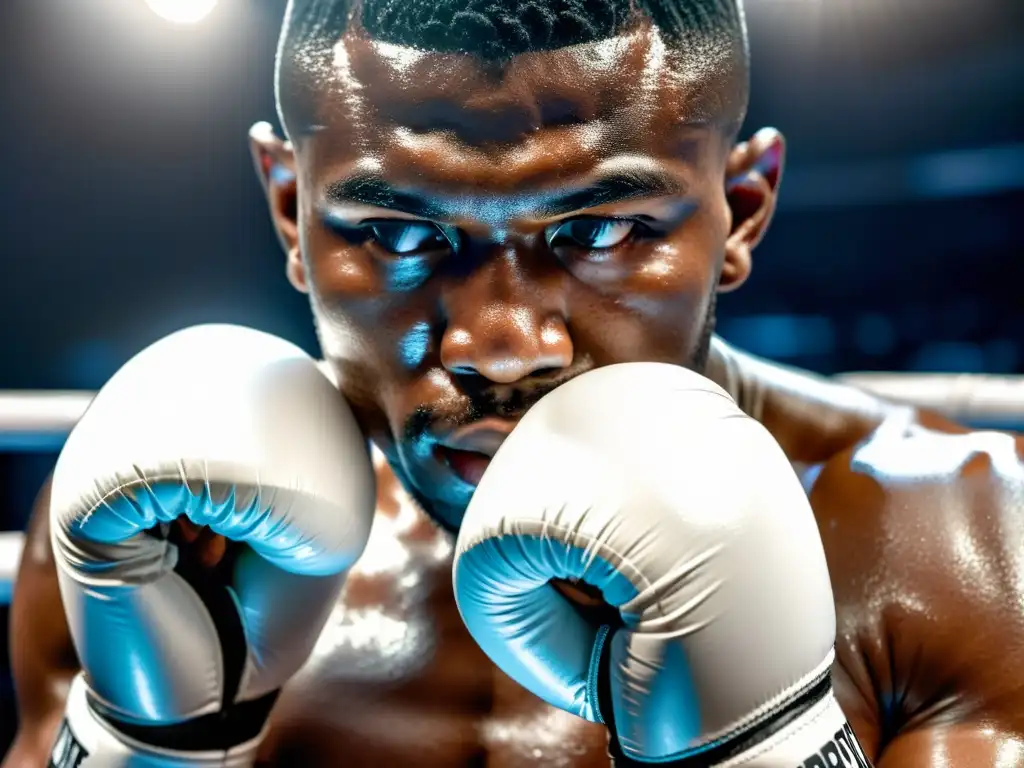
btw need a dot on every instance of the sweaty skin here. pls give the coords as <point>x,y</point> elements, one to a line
<point>922,529</point>
<point>470,238</point>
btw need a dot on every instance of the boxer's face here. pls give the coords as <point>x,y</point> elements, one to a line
<point>472,237</point>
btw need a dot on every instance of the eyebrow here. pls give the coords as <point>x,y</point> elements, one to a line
<point>617,187</point>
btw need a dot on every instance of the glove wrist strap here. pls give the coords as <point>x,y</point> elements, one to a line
<point>810,733</point>
<point>88,740</point>
<point>819,738</point>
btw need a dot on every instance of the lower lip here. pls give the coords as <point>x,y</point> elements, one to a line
<point>467,465</point>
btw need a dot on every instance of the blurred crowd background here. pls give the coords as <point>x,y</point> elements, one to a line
<point>129,209</point>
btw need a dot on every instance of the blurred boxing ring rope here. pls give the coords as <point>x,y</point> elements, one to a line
<point>39,421</point>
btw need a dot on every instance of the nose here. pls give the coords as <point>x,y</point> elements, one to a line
<point>505,323</point>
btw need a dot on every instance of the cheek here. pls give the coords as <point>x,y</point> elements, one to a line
<point>673,270</point>
<point>358,317</point>
<point>338,269</point>
<point>681,272</point>
<point>657,308</point>
<point>383,343</point>
<point>373,360</point>
<point>391,336</point>
<point>641,328</point>
<point>414,345</point>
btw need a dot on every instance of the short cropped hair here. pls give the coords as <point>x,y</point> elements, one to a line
<point>497,30</point>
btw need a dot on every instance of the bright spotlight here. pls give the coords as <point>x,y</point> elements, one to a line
<point>182,11</point>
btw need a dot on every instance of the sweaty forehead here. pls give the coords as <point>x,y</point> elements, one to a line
<point>444,116</point>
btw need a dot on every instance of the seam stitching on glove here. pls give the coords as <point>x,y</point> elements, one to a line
<point>595,669</point>
<point>148,481</point>
<point>773,742</point>
<point>766,710</point>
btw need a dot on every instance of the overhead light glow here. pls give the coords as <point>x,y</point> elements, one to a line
<point>182,11</point>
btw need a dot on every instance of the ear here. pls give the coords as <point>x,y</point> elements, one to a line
<point>275,166</point>
<point>752,181</point>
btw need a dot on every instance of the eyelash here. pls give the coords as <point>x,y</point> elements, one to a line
<point>363,233</point>
<point>639,230</point>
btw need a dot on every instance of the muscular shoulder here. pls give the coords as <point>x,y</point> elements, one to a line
<point>924,531</point>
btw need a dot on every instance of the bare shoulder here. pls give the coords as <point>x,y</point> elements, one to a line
<point>918,489</point>
<point>923,526</point>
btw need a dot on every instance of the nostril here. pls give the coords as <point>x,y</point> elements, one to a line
<point>462,370</point>
<point>542,373</point>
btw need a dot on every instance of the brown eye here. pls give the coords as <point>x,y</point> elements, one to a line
<point>592,233</point>
<point>403,238</point>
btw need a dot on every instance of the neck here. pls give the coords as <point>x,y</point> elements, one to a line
<point>813,418</point>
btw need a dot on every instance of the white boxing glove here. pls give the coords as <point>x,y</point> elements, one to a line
<point>239,431</point>
<point>646,481</point>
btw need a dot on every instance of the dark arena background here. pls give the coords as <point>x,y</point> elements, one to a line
<point>129,209</point>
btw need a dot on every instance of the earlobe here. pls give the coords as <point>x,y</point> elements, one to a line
<point>296,270</point>
<point>274,161</point>
<point>753,174</point>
